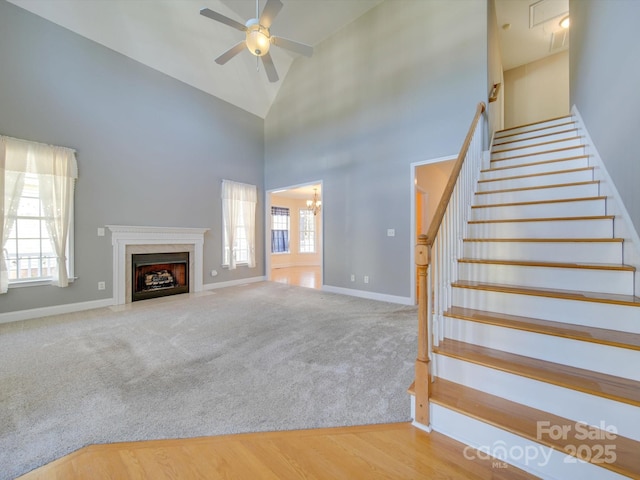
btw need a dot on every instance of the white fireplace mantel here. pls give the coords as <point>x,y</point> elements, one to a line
<point>125,235</point>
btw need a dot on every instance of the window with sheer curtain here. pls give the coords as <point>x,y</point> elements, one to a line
<point>37,206</point>
<point>239,223</point>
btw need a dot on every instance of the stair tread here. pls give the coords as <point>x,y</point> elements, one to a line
<point>534,137</point>
<point>539,202</point>
<point>597,297</point>
<point>539,187</point>
<point>532,164</point>
<point>529,175</point>
<point>594,383</point>
<point>584,333</point>
<point>522,420</point>
<point>550,142</point>
<point>523,263</point>
<point>525,125</point>
<point>546,219</point>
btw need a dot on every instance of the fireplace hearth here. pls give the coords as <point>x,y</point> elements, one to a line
<point>159,274</point>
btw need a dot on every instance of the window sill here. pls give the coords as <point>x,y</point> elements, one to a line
<point>35,283</point>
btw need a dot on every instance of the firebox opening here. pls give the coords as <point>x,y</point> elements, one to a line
<point>159,274</point>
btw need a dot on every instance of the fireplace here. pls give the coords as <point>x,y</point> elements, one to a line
<point>130,240</point>
<point>159,274</point>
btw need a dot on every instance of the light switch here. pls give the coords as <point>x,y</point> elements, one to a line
<point>100,231</point>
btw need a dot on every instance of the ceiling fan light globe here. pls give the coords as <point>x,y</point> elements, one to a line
<point>258,39</point>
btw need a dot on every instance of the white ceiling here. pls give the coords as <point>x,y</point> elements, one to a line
<point>172,37</point>
<point>522,43</point>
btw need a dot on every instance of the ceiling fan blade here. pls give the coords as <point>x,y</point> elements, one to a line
<point>232,52</point>
<point>222,19</point>
<point>269,12</point>
<point>269,67</point>
<point>297,47</point>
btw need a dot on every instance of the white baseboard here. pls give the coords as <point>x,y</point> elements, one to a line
<point>382,297</point>
<point>232,283</point>
<point>623,226</point>
<point>53,310</point>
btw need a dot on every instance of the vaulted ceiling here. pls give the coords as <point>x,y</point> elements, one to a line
<point>172,37</point>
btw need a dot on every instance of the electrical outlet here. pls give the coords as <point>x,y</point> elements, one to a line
<point>353,277</point>
<point>391,232</point>
<point>101,286</point>
<point>366,279</point>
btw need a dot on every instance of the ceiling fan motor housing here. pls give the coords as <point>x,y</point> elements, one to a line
<point>258,37</point>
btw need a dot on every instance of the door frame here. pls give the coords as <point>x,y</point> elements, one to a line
<point>413,235</point>
<point>267,224</point>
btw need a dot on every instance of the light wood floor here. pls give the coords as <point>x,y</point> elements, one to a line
<point>310,277</point>
<point>391,451</point>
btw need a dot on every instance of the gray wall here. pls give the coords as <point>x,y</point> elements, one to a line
<point>151,150</point>
<point>605,82</point>
<point>397,86</point>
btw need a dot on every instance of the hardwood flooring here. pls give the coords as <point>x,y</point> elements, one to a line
<point>309,277</point>
<point>390,451</point>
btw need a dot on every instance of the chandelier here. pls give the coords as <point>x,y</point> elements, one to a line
<point>314,205</point>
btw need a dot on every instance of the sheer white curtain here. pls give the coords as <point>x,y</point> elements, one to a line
<point>57,170</point>
<point>239,212</point>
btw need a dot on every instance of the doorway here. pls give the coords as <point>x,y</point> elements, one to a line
<point>429,179</point>
<point>294,235</point>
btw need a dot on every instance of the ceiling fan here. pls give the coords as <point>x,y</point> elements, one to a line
<point>258,37</point>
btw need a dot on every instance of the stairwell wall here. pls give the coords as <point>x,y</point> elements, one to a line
<point>604,79</point>
<point>397,86</point>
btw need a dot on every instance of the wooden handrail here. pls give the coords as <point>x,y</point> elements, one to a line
<point>453,178</point>
<point>423,260</point>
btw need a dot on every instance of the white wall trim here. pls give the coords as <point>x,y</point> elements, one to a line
<point>622,224</point>
<point>233,283</point>
<point>53,310</point>
<point>382,297</point>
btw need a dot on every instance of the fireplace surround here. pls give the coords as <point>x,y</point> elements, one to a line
<point>128,240</point>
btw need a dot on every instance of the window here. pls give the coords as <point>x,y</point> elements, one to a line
<point>36,227</point>
<point>307,232</point>
<point>238,223</point>
<point>279,230</point>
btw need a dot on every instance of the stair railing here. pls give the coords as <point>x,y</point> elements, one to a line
<point>437,255</point>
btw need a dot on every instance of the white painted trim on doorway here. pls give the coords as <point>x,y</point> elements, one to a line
<point>413,236</point>
<point>267,225</point>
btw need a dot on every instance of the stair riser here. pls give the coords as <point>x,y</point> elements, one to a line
<point>537,168</point>
<point>579,252</point>
<point>547,135</point>
<point>619,362</point>
<point>582,208</point>
<point>505,182</point>
<point>537,195</point>
<point>539,147</point>
<point>536,126</point>
<point>601,228</point>
<point>544,396</point>
<point>588,280</point>
<point>592,314</point>
<point>525,454</point>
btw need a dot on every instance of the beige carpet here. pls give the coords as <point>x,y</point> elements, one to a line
<point>264,356</point>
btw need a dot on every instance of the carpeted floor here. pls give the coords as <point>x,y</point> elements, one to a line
<point>264,356</point>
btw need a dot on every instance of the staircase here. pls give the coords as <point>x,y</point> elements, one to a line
<point>539,354</point>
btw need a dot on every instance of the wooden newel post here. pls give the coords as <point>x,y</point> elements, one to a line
<point>422,378</point>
